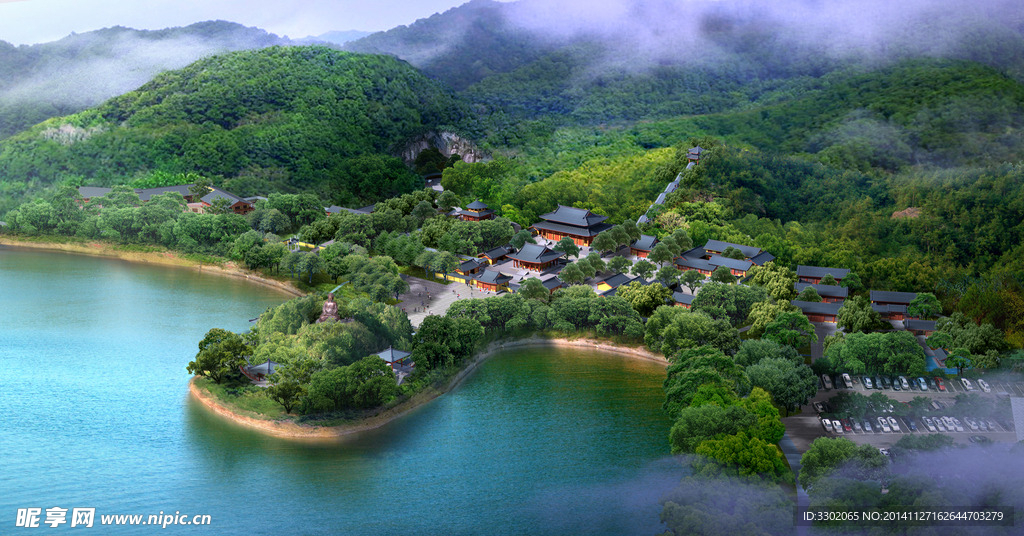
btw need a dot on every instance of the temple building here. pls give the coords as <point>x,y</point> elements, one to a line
<point>476,211</point>
<point>535,257</point>
<point>492,281</point>
<point>577,223</point>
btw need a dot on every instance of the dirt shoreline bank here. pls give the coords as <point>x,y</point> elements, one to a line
<point>163,258</point>
<point>292,430</point>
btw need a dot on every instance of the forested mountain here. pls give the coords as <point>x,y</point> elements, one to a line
<point>82,70</point>
<point>574,63</point>
<point>279,119</point>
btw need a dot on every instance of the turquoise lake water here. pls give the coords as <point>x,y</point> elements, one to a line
<point>96,414</point>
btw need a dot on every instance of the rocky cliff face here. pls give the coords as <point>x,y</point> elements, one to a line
<point>448,143</point>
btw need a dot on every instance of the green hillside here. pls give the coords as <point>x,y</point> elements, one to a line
<point>277,119</point>
<point>66,76</point>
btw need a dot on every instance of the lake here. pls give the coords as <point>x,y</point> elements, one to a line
<point>96,414</point>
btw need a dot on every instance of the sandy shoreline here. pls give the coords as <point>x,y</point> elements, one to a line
<point>164,258</point>
<point>291,430</point>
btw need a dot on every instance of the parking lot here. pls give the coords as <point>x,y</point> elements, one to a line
<point>945,420</point>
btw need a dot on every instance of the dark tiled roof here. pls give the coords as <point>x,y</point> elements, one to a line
<point>578,217</point>
<point>825,291</point>
<point>368,209</point>
<point>719,246</point>
<point>661,199</point>
<point>498,253</point>
<point>617,280</point>
<point>217,193</point>
<point>477,205</point>
<point>696,150</point>
<point>919,325</point>
<point>476,213</point>
<point>642,219</point>
<point>593,230</point>
<point>733,264</point>
<point>695,263</point>
<point>694,253</point>
<point>552,283</point>
<point>646,243</point>
<point>884,309</point>
<point>145,194</point>
<point>762,258</point>
<point>470,264</point>
<point>886,296</point>
<point>821,271</point>
<point>682,297</point>
<point>535,253</point>
<point>393,356</point>
<point>493,277</point>
<point>93,191</point>
<point>821,308</point>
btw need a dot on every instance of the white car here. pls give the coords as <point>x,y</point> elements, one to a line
<point>884,424</point>
<point>867,427</point>
<point>928,424</point>
<point>967,384</point>
<point>904,383</point>
<point>827,425</point>
<point>938,424</point>
<point>826,381</point>
<point>848,381</point>
<point>894,425</point>
<point>984,385</point>
<point>837,426</point>
<point>971,424</point>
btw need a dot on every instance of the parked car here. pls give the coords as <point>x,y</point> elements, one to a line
<point>837,426</point>
<point>827,425</point>
<point>868,384</point>
<point>968,386</point>
<point>936,405</point>
<point>846,425</point>
<point>896,384</point>
<point>894,425</point>
<point>957,424</point>
<point>932,384</point>
<point>940,383</point>
<point>904,384</point>
<point>910,424</point>
<point>939,424</point>
<point>885,382</point>
<point>982,425</point>
<point>928,424</point>
<point>980,439</point>
<point>856,427</point>
<point>878,382</point>
<point>867,426</point>
<point>923,385</point>
<point>819,407</point>
<point>847,381</point>
<point>984,385</point>
<point>826,381</point>
<point>884,424</point>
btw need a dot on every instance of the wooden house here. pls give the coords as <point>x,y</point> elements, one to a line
<point>736,267</point>
<point>492,281</point>
<point>813,274</point>
<point>828,293</point>
<point>682,299</point>
<point>579,224</point>
<point>819,311</point>
<point>535,257</point>
<point>642,247</point>
<point>497,254</point>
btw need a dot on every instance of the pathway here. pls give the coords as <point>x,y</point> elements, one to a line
<point>433,298</point>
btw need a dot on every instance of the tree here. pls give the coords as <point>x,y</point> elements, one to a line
<point>619,265</point>
<point>567,246</point>
<point>852,282</point>
<point>221,352</point>
<point>777,279</point>
<point>691,279</point>
<point>311,264</point>
<point>423,210</point>
<point>534,289</point>
<point>765,312</point>
<point>668,275</point>
<point>702,506</point>
<point>924,305</point>
<point>696,424</point>
<point>286,392</point>
<point>733,253</point>
<point>521,238</point>
<point>754,350</point>
<point>742,455</point>
<point>604,242</point>
<point>856,314</point>
<point>629,226</point>
<point>960,360</point>
<point>790,384</point>
<point>809,294</point>
<point>671,329</point>
<point>682,239</point>
<point>958,331</point>
<point>661,254</point>
<point>595,260</point>
<point>643,269</point>
<point>792,329</point>
<point>572,274</point>
<point>729,302</point>
<point>722,274</point>
<point>586,268</point>
<point>826,454</point>
<point>644,298</point>
<point>829,279</point>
